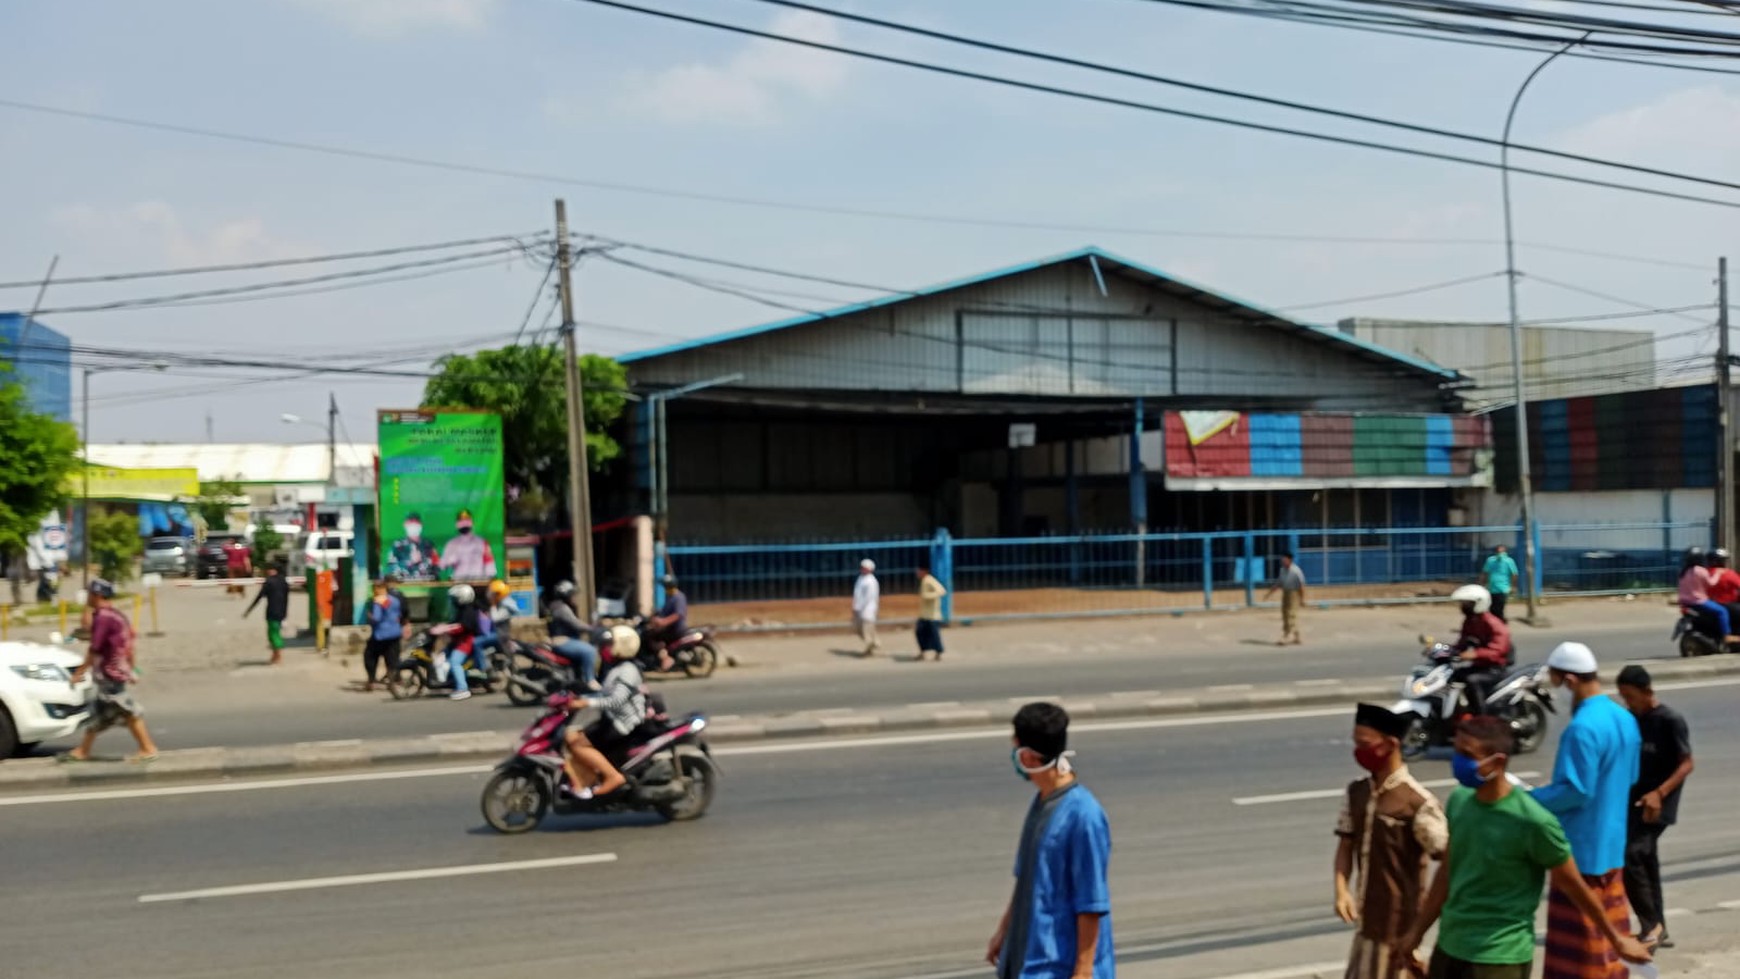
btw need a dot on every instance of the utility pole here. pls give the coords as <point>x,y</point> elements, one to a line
<point>208,427</point>
<point>579,493</point>
<point>1724,414</point>
<point>331,439</point>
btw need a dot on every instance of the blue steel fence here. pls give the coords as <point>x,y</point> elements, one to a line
<point>1106,574</point>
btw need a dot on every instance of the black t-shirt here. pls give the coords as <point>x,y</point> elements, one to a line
<point>1666,743</point>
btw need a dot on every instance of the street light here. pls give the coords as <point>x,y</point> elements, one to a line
<point>1525,484</point>
<point>291,418</point>
<point>85,458</point>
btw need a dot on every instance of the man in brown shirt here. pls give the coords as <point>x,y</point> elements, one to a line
<point>1390,830</point>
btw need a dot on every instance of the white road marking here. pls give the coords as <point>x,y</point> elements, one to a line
<point>106,795</point>
<point>1729,906</point>
<point>1679,913</point>
<point>1319,683</point>
<point>1293,971</point>
<point>1234,686</point>
<point>1266,800</point>
<point>354,880</point>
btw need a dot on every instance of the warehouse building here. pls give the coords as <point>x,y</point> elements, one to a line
<point>1557,361</point>
<point>1080,393</point>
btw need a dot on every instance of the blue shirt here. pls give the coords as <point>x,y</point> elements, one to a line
<point>1500,571</point>
<point>384,620</point>
<point>677,604</point>
<point>1060,872</point>
<point>1591,792</point>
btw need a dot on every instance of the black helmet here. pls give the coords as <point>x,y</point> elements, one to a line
<point>564,588</point>
<point>1719,556</point>
<point>670,581</point>
<point>1693,555</point>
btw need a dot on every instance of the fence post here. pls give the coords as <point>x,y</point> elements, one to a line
<point>942,566</point>
<point>659,565</point>
<point>1207,572</point>
<point>1250,571</point>
<point>1540,561</point>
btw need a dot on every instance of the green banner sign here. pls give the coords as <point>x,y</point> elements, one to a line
<point>442,512</point>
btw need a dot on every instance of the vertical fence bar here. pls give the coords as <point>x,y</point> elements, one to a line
<point>1207,572</point>
<point>1250,570</point>
<point>942,567</point>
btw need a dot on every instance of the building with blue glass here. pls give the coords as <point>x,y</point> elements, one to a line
<point>41,359</point>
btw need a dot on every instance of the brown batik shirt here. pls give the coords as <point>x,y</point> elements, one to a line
<point>1397,829</point>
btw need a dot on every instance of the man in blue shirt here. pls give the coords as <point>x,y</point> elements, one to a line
<point>670,624</point>
<point>1591,794</point>
<point>1498,573</point>
<point>1058,923</point>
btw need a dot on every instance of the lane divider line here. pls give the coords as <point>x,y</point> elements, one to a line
<point>389,877</point>
<point>1266,800</point>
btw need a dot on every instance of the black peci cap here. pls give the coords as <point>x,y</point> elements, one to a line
<point>1381,719</point>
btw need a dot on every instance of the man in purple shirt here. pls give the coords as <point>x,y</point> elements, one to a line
<point>110,664</point>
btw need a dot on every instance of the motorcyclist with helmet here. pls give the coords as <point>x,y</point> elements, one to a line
<point>1696,581</point>
<point>474,625</point>
<point>570,636</point>
<point>622,705</point>
<point>1724,588</point>
<point>1484,645</point>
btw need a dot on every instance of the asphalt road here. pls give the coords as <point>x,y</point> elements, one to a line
<point>871,858</point>
<point>259,706</point>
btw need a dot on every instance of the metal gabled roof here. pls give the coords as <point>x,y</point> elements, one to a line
<point>1093,254</point>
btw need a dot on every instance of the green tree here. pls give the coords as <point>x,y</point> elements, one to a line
<point>525,386</point>
<point>38,456</point>
<point>267,543</point>
<point>115,543</point>
<point>213,503</point>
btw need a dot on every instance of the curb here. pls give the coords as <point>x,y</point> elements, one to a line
<point>322,757</point>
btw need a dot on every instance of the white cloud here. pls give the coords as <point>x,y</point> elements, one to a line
<point>391,18</point>
<point>1689,130</point>
<point>754,85</point>
<point>152,231</point>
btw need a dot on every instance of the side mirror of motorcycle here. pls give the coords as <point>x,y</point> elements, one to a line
<point>1425,640</point>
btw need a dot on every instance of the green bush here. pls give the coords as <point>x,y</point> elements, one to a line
<point>115,544</point>
<point>267,543</point>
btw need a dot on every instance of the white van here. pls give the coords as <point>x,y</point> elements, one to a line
<point>321,550</point>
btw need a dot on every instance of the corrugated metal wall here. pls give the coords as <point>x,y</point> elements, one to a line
<point>1050,332</point>
<point>1558,362</point>
<point>1661,439</point>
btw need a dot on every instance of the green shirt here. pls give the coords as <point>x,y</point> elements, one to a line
<point>1499,858</point>
<point>1499,570</point>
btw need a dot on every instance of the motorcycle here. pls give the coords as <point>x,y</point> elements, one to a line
<point>1696,634</point>
<point>1430,695</point>
<point>670,771</point>
<point>696,652</point>
<point>539,671</point>
<point>423,667</point>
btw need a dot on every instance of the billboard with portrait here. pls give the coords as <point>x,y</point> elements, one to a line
<point>442,514</point>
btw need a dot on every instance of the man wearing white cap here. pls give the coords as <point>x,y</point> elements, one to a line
<point>866,599</point>
<point>1591,794</point>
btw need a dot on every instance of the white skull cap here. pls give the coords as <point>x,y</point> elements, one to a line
<point>867,564</point>
<point>1573,657</point>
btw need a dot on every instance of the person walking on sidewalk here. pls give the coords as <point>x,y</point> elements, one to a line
<point>1593,774</point>
<point>1498,574</point>
<point>1058,924</point>
<point>1655,799</point>
<point>928,632</point>
<point>866,601</point>
<point>109,662</point>
<point>1503,845</point>
<point>386,617</point>
<point>275,592</point>
<point>1291,583</point>
<point>1390,831</point>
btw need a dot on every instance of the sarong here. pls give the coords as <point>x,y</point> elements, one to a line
<point>1576,946</point>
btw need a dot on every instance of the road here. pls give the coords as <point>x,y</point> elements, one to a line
<point>255,706</point>
<point>870,859</point>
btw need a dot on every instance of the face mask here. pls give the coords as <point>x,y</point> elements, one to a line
<point>1372,757</point>
<point>1061,763</point>
<point>465,528</point>
<point>1467,770</point>
<point>413,530</point>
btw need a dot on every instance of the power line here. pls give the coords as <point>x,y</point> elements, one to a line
<point>537,297</point>
<point>914,217</point>
<point>1416,290</point>
<point>1621,300</point>
<point>278,262</point>
<point>1307,107</point>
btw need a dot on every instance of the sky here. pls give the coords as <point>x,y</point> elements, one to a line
<point>600,96</point>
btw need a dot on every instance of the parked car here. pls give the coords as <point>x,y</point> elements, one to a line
<point>168,556</point>
<point>38,700</point>
<point>321,550</point>
<point>212,561</point>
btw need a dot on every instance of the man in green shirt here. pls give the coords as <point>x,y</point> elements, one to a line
<point>1503,845</point>
<point>1497,574</point>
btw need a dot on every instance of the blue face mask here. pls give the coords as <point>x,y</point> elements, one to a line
<point>1467,770</point>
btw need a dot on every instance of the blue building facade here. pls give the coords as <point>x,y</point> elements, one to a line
<point>43,365</point>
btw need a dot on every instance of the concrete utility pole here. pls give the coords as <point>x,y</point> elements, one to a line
<point>579,493</point>
<point>331,439</point>
<point>1724,414</point>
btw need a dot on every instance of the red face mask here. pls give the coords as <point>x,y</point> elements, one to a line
<point>1372,757</point>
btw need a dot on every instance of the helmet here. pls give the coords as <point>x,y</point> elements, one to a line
<point>670,581</point>
<point>498,589</point>
<point>1693,555</point>
<point>1481,598</point>
<point>1572,657</point>
<point>1719,556</point>
<point>564,588</point>
<point>624,642</point>
<point>462,594</point>
<point>101,588</point>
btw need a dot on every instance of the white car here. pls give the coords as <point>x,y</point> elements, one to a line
<point>321,551</point>
<point>38,700</point>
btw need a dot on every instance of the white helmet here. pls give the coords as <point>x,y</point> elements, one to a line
<point>625,642</point>
<point>462,594</point>
<point>1481,598</point>
<point>1573,657</point>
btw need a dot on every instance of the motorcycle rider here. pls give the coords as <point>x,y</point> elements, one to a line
<point>502,609</point>
<point>670,624</point>
<point>622,706</point>
<point>1724,587</point>
<point>1695,582</point>
<point>474,625</point>
<point>1484,644</point>
<point>570,636</point>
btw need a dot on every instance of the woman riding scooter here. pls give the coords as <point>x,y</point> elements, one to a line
<point>1485,645</point>
<point>623,708</point>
